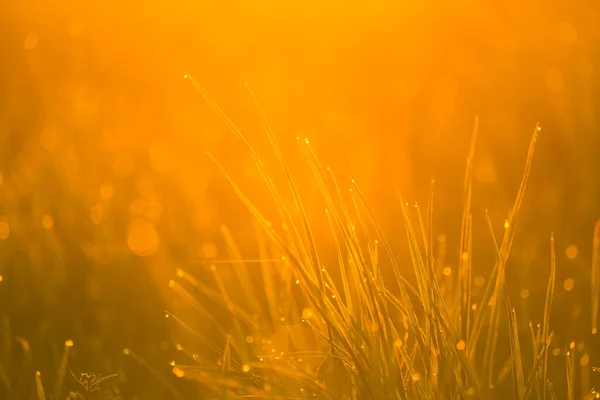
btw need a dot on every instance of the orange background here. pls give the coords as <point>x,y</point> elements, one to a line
<point>100,132</point>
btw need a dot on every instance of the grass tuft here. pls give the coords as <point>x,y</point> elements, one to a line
<point>349,330</point>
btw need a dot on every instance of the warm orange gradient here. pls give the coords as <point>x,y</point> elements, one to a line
<point>103,142</point>
<point>386,91</point>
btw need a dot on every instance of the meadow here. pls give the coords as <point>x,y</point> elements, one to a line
<point>329,200</point>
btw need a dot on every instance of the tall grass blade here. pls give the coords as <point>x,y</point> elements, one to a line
<point>464,274</point>
<point>62,369</point>
<point>539,361</point>
<point>517,360</point>
<point>298,248</point>
<point>548,309</point>
<point>596,278</point>
<point>241,272</point>
<point>570,371</point>
<point>307,230</point>
<point>488,306</point>
<point>225,365</point>
<point>39,386</point>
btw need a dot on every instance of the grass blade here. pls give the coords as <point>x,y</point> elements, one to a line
<point>517,361</point>
<point>39,386</point>
<point>548,309</point>
<point>62,369</point>
<point>596,277</point>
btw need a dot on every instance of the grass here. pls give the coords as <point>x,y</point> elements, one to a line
<point>364,327</point>
<point>87,386</point>
<point>355,331</point>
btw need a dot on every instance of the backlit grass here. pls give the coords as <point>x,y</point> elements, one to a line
<point>295,323</point>
<point>354,331</point>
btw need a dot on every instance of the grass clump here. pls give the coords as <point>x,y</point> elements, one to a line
<point>354,330</point>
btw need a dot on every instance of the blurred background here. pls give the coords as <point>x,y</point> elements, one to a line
<point>106,189</point>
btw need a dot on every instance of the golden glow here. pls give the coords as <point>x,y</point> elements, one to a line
<point>571,252</point>
<point>4,227</point>
<point>47,222</point>
<point>142,238</point>
<point>113,191</point>
<point>479,281</point>
<point>569,284</point>
<point>97,213</point>
<point>209,250</point>
<point>137,207</point>
<point>556,352</point>
<point>106,191</point>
